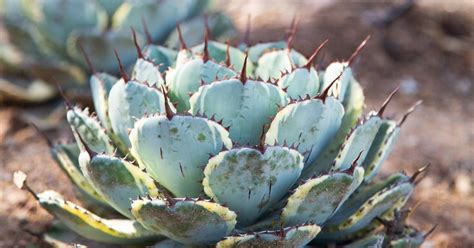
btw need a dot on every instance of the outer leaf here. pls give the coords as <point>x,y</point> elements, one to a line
<point>118,181</point>
<point>249,182</point>
<point>174,151</point>
<point>189,222</point>
<point>92,226</point>
<point>381,148</point>
<point>379,204</point>
<point>318,199</point>
<point>363,194</point>
<point>309,124</point>
<point>297,236</point>
<point>101,84</point>
<point>353,107</point>
<point>357,144</point>
<point>245,107</point>
<point>89,130</point>
<point>66,156</point>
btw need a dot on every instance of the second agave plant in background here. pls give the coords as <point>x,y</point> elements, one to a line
<point>44,38</point>
<point>258,149</point>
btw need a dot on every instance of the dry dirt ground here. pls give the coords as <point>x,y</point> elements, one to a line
<point>428,51</point>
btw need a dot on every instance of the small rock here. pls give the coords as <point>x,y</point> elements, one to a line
<point>409,86</point>
<point>462,184</point>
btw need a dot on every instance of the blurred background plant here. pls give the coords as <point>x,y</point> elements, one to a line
<point>42,39</point>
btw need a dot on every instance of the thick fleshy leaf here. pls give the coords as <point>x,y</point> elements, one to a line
<point>89,130</point>
<point>342,84</point>
<point>187,78</point>
<point>357,143</point>
<point>218,52</point>
<point>271,65</point>
<point>244,107</point>
<point>309,125</point>
<point>92,226</point>
<point>67,158</point>
<point>364,193</point>
<point>129,102</point>
<point>318,199</point>
<point>162,56</point>
<point>148,72</point>
<point>353,107</point>
<point>256,51</point>
<point>186,221</point>
<point>174,151</point>
<point>118,181</point>
<point>249,181</point>
<point>296,236</point>
<point>300,83</point>
<point>381,148</point>
<point>379,204</point>
<point>101,84</point>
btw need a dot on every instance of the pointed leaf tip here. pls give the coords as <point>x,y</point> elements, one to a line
<point>42,134</point>
<point>324,94</point>
<point>64,97</point>
<point>313,56</point>
<point>181,39</point>
<point>409,111</point>
<point>246,39</point>
<point>86,146</point>
<point>427,234</point>
<point>168,111</point>
<point>357,51</point>
<point>205,57</point>
<point>122,71</point>
<point>291,36</point>
<point>207,29</point>
<point>149,39</point>
<point>387,101</point>
<point>418,173</point>
<point>243,73</point>
<point>137,46</point>
<point>227,53</point>
<point>87,59</point>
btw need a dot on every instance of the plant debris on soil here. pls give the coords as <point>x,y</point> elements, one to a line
<point>427,50</point>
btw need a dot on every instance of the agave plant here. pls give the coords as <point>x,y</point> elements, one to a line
<point>233,148</point>
<point>45,37</point>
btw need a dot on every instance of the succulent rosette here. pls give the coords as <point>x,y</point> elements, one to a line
<point>229,147</point>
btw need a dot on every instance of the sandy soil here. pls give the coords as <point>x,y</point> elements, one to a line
<point>428,51</point>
